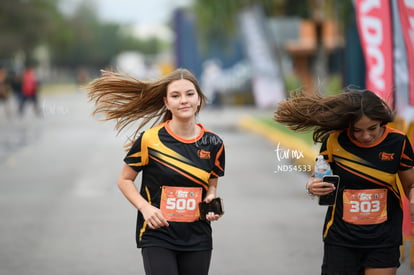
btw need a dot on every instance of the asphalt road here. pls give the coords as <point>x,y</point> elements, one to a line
<point>61,213</point>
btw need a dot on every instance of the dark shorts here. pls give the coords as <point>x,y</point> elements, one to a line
<point>162,261</point>
<point>341,260</point>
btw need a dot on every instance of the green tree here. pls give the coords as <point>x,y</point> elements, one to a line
<point>24,24</point>
<point>79,39</point>
<point>93,43</point>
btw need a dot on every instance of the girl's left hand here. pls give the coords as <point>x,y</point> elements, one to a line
<point>211,216</point>
<point>209,198</point>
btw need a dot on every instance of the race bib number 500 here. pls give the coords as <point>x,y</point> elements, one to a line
<point>365,206</point>
<point>180,204</point>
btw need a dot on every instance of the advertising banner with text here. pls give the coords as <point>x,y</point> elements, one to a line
<point>374,27</point>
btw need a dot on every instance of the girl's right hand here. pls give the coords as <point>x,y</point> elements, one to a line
<point>317,187</point>
<point>153,216</point>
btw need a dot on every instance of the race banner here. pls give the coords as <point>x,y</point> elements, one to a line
<point>406,8</point>
<point>268,84</point>
<point>374,26</point>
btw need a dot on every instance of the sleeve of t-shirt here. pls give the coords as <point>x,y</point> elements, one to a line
<point>324,148</point>
<point>407,157</point>
<point>137,156</point>
<point>324,151</point>
<point>219,163</point>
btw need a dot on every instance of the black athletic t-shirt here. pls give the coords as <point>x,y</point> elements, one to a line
<point>168,160</point>
<point>362,170</point>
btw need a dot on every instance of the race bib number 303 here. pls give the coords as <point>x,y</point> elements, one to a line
<point>180,204</point>
<point>367,206</point>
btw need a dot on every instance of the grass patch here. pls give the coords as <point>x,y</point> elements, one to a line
<point>58,88</point>
<point>305,136</point>
<point>332,85</point>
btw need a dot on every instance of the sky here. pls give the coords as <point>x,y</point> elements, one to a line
<point>147,16</point>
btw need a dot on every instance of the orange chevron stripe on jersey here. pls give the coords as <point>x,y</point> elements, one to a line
<point>181,168</point>
<point>142,156</point>
<point>153,147</point>
<point>144,226</point>
<point>151,140</point>
<point>360,167</point>
<point>217,161</point>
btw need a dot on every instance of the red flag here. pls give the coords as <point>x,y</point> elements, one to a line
<point>374,26</point>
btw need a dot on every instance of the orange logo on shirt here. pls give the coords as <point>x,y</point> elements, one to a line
<point>203,154</point>
<point>386,156</point>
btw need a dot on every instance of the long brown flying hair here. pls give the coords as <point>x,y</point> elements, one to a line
<point>128,100</point>
<point>326,114</point>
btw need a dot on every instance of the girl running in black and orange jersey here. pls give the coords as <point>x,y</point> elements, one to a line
<point>363,230</point>
<point>180,161</point>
